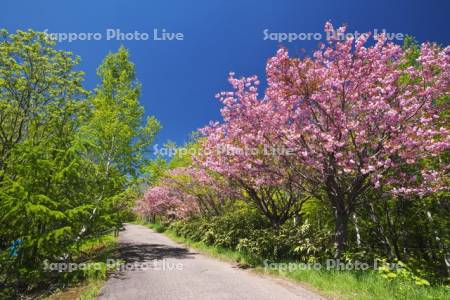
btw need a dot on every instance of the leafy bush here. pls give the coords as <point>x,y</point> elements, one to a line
<point>288,242</point>
<point>247,231</point>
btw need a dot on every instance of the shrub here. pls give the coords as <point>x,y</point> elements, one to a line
<point>248,232</point>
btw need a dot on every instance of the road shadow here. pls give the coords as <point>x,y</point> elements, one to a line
<point>146,257</point>
<point>132,253</point>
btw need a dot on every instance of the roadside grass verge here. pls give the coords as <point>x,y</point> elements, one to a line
<point>93,251</point>
<point>359,285</point>
<point>331,284</point>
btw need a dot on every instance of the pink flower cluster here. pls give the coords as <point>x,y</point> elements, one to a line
<point>185,192</point>
<point>352,114</point>
<point>165,201</point>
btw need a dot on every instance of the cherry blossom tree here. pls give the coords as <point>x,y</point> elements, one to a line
<point>212,193</point>
<point>248,149</point>
<point>162,201</point>
<point>187,191</point>
<point>350,118</point>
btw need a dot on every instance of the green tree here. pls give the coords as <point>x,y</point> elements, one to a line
<point>118,135</point>
<point>44,194</point>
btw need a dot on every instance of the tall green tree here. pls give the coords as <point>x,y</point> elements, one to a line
<point>116,124</point>
<point>117,132</point>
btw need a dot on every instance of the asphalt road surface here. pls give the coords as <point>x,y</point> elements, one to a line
<point>158,268</point>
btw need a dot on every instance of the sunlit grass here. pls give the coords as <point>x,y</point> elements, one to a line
<point>360,285</point>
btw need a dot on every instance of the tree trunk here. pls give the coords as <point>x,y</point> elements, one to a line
<point>341,222</point>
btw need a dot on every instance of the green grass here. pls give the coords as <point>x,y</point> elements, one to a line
<point>329,283</point>
<point>92,290</point>
<point>87,291</point>
<point>98,248</point>
<point>95,250</point>
<point>360,285</point>
<point>156,226</point>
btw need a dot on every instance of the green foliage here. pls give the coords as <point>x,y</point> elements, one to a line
<point>414,231</point>
<point>69,159</point>
<point>401,272</point>
<point>114,125</point>
<point>183,155</point>
<point>247,231</point>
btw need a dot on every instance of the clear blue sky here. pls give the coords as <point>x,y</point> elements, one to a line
<point>180,78</point>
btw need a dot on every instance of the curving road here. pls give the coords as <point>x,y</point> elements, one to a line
<point>158,268</point>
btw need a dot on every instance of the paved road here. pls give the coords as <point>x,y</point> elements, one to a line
<point>170,271</point>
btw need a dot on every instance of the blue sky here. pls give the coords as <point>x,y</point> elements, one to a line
<point>180,78</point>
